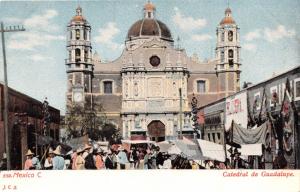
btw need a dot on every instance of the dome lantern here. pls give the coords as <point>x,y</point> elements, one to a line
<point>149,10</point>
<point>78,17</point>
<point>227,20</point>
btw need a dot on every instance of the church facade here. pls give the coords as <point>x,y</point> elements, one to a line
<point>147,91</point>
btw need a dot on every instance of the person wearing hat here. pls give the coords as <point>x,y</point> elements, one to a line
<point>79,161</point>
<point>99,159</point>
<point>87,150</point>
<point>194,165</point>
<point>3,163</point>
<point>68,158</point>
<point>122,158</point>
<point>89,158</point>
<point>36,162</point>
<point>237,161</point>
<point>28,163</point>
<point>73,160</point>
<point>48,162</point>
<point>109,162</point>
<point>58,161</point>
<point>167,162</point>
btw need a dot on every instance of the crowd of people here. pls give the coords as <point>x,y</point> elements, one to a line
<point>91,158</point>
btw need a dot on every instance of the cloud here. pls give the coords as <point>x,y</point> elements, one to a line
<point>40,32</point>
<point>202,37</point>
<point>107,34</point>
<point>43,21</point>
<point>186,23</point>
<point>13,20</point>
<point>256,34</point>
<point>249,46</point>
<point>32,40</point>
<point>270,35</point>
<point>39,58</point>
<point>280,32</point>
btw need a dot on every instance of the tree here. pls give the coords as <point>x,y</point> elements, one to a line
<point>81,120</point>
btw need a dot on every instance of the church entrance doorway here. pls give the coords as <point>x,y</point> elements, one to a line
<point>156,131</point>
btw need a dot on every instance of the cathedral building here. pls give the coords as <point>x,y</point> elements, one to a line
<point>147,91</point>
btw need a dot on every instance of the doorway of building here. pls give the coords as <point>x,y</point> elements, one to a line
<point>156,131</point>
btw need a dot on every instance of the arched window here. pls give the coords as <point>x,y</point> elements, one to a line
<point>84,34</point>
<point>77,55</point>
<point>230,53</point>
<point>85,55</point>
<point>230,35</point>
<point>77,34</point>
<point>70,55</point>
<point>71,35</point>
<point>222,37</point>
<point>222,56</point>
<point>230,56</point>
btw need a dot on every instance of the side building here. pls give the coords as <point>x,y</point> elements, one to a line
<point>275,101</point>
<point>25,121</point>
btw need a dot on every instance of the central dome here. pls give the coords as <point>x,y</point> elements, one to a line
<point>149,27</point>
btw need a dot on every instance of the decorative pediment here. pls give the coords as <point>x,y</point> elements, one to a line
<point>155,46</point>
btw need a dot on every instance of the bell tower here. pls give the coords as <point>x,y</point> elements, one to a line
<point>79,65</point>
<point>228,55</point>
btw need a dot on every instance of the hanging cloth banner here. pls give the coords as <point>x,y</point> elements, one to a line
<point>249,136</point>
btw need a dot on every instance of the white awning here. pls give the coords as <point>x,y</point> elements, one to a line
<point>187,147</point>
<point>164,146</point>
<point>102,143</point>
<point>251,149</point>
<point>174,149</point>
<point>212,151</point>
<point>137,141</point>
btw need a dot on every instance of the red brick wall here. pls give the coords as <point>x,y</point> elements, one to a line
<point>2,139</point>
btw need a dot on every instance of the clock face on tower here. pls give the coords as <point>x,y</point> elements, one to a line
<point>78,97</point>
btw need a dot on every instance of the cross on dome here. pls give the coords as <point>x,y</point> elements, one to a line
<point>79,11</point>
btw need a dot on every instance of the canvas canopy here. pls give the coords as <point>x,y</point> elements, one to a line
<point>102,143</point>
<point>251,149</point>
<point>249,136</point>
<point>75,143</point>
<point>211,151</point>
<point>188,148</point>
<point>164,146</point>
<point>174,149</point>
<point>137,141</point>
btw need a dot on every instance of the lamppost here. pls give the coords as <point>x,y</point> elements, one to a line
<point>46,118</point>
<point>180,113</point>
<point>195,117</point>
<point>5,111</point>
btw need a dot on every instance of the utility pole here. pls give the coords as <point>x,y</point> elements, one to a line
<point>5,111</point>
<point>180,113</point>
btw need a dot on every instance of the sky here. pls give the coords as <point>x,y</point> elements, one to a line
<point>269,30</point>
